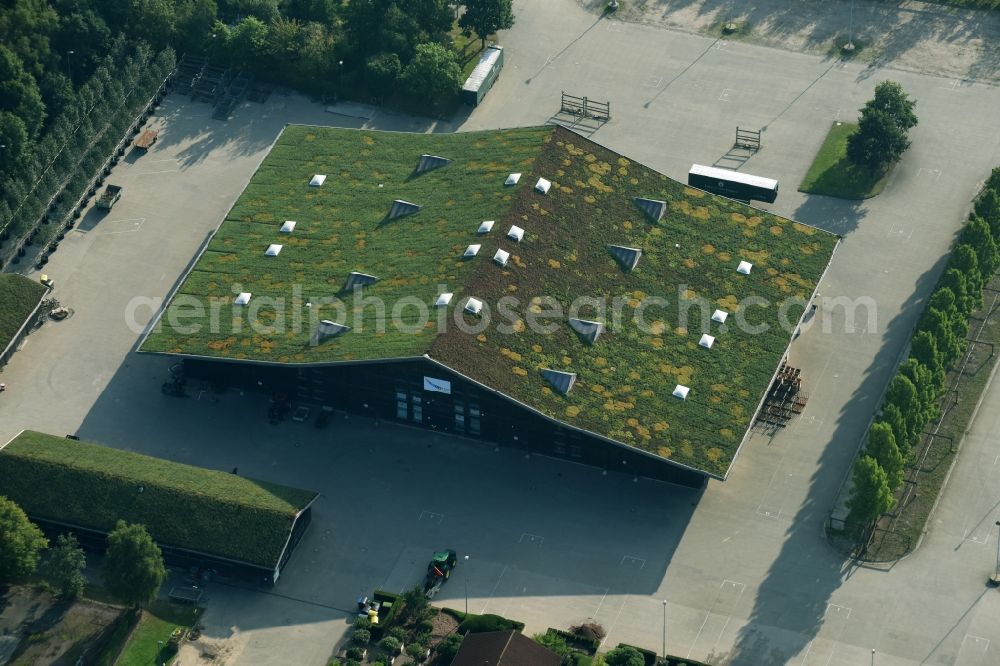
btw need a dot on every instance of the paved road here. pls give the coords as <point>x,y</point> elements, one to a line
<point>743,566</point>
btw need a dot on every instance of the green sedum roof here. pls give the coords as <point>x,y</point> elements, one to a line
<point>18,297</point>
<point>623,384</point>
<point>93,486</point>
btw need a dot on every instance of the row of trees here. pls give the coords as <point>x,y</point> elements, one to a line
<point>913,396</point>
<point>133,564</point>
<point>77,142</point>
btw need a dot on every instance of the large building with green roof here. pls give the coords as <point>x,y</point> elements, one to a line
<point>526,286</point>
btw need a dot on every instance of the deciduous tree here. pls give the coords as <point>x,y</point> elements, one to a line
<point>881,138</point>
<point>64,568</point>
<point>871,495</point>
<point>20,543</point>
<point>485,17</point>
<point>133,565</point>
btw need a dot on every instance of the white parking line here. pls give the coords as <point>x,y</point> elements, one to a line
<point>727,587</point>
<point>632,561</point>
<point>431,516</point>
<point>972,650</point>
<point>531,538</point>
<point>151,173</point>
<point>724,97</point>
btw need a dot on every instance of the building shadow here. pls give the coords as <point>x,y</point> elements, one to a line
<point>792,600</point>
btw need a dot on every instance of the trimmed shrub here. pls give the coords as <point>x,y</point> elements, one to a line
<point>417,650</point>
<point>476,624</point>
<point>355,653</point>
<point>390,644</point>
<point>448,648</point>
<point>361,636</point>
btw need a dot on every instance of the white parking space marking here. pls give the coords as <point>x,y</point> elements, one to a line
<point>820,649</point>
<point>899,232</point>
<point>973,651</point>
<point>533,539</point>
<point>430,516</point>
<point>934,174</point>
<point>653,82</point>
<point>718,616</point>
<point>151,173</point>
<point>630,561</point>
<point>726,95</point>
<point>126,226</point>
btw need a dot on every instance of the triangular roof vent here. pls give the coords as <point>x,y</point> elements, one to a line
<point>471,251</point>
<point>431,162</point>
<point>501,257</point>
<point>560,381</point>
<point>473,305</point>
<point>512,179</point>
<point>356,279</point>
<point>328,329</point>
<point>543,186</point>
<point>402,208</point>
<point>317,180</point>
<point>288,227</point>
<point>273,250</point>
<point>653,208</point>
<point>628,257</point>
<point>588,330</point>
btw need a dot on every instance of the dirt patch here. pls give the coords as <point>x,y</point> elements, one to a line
<point>444,625</point>
<point>36,628</point>
<point>205,651</point>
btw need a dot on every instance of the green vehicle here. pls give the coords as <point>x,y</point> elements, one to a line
<point>439,570</point>
<point>111,194</point>
<point>483,76</point>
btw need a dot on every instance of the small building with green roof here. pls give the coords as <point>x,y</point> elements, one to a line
<point>527,286</point>
<point>198,517</point>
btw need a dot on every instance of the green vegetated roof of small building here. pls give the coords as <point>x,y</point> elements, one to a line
<point>624,382</point>
<point>18,297</point>
<point>93,486</point>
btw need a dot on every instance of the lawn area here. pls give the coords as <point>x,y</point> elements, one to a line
<point>18,297</point>
<point>146,644</point>
<point>832,174</point>
<point>92,486</point>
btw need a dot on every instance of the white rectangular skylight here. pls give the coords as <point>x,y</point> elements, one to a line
<point>473,306</point>
<point>516,233</point>
<point>485,227</point>
<point>681,391</point>
<point>720,316</point>
<point>273,250</point>
<point>501,257</point>
<point>707,341</point>
<point>512,179</point>
<point>317,180</point>
<point>242,299</point>
<point>288,226</point>
<point>443,299</point>
<point>744,267</point>
<point>542,186</point>
<point>471,251</point>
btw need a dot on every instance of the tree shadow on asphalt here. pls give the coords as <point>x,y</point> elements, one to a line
<point>825,25</point>
<point>838,216</point>
<point>792,601</point>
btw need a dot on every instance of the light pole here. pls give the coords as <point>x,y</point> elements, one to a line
<point>849,46</point>
<point>996,572</point>
<point>69,64</point>
<point>466,558</point>
<point>873,656</point>
<point>664,630</point>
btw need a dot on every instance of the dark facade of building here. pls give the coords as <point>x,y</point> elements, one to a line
<point>423,393</point>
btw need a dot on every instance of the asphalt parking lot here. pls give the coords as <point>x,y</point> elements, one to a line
<point>743,566</point>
